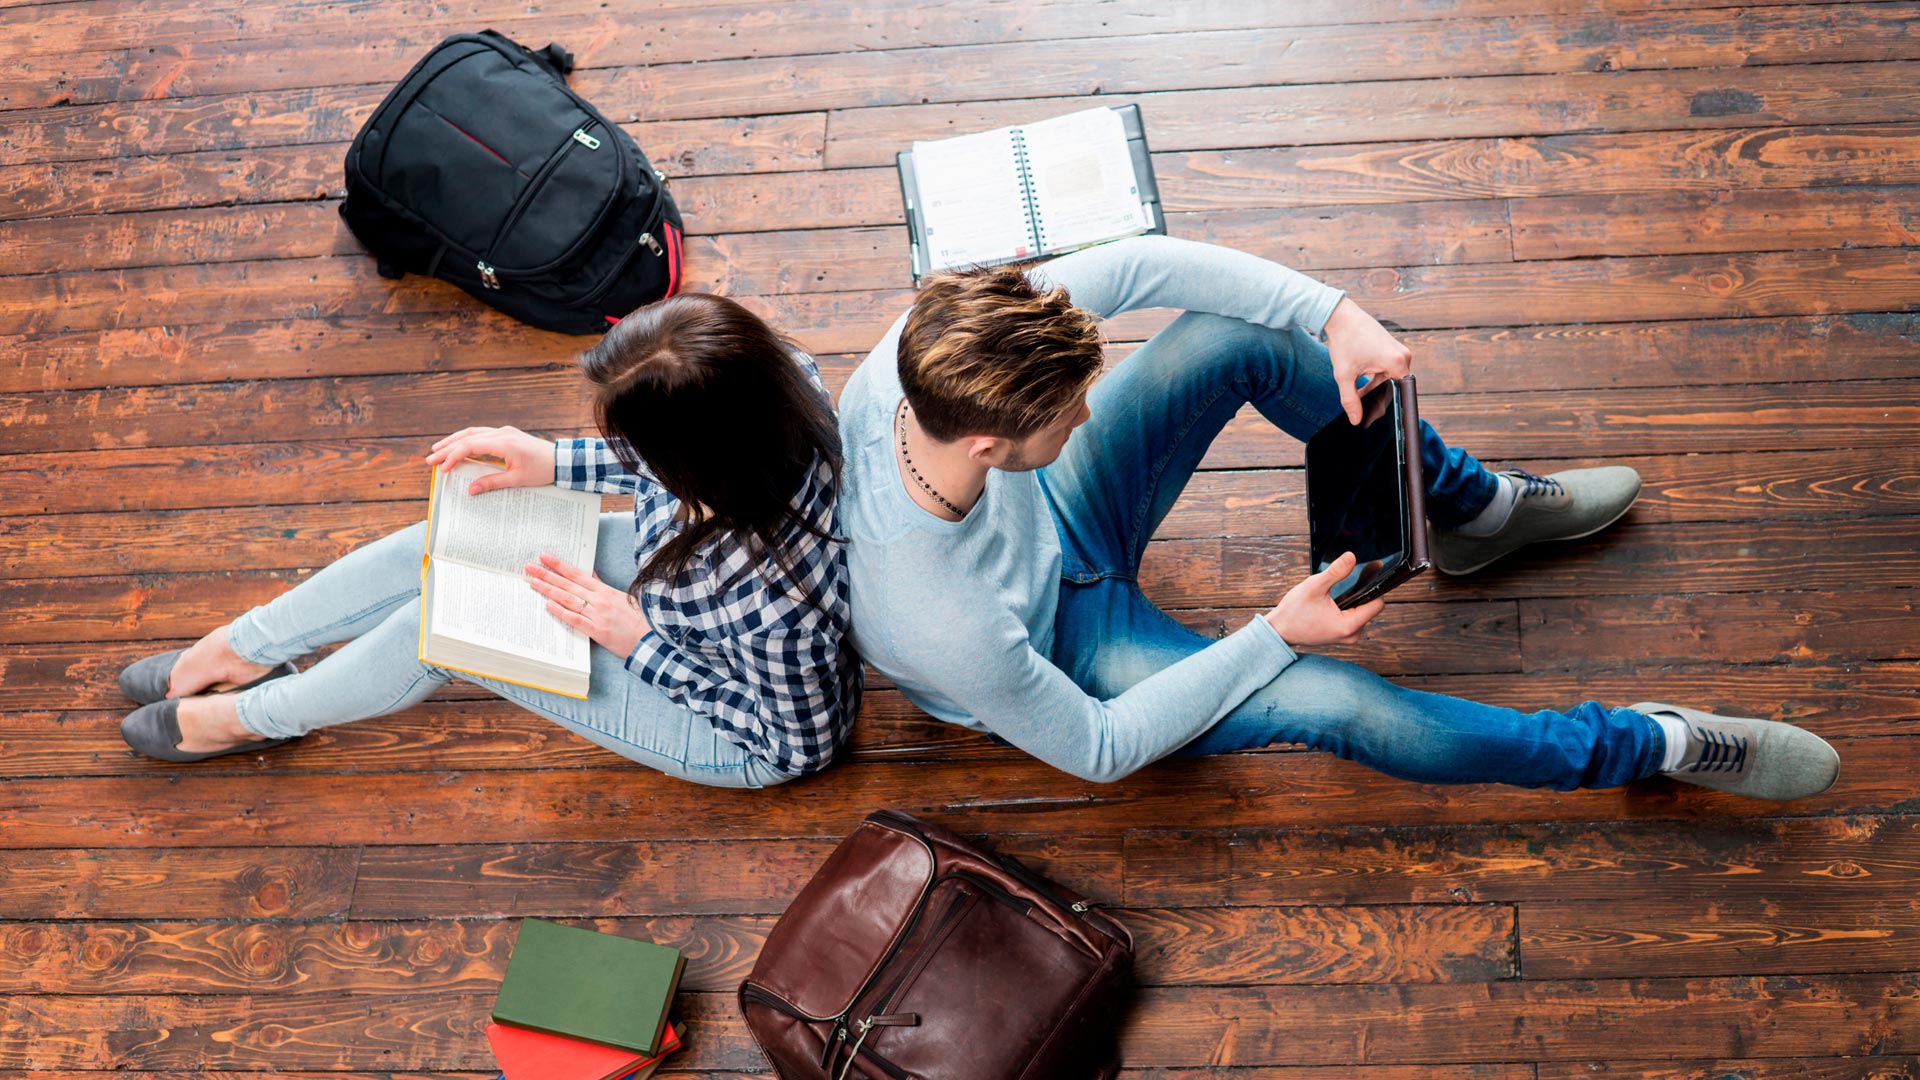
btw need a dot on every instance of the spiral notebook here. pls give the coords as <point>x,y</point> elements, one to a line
<point>1029,191</point>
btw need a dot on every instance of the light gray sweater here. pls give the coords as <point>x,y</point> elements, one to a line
<point>959,614</point>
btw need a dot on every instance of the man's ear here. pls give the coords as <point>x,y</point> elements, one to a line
<point>989,450</point>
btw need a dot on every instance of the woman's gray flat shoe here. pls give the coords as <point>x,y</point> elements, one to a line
<point>145,680</point>
<point>154,730</point>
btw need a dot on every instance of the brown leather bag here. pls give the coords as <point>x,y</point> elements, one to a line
<point>914,955</point>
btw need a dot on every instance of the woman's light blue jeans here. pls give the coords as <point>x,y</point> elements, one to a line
<point>1154,416</point>
<point>370,599</point>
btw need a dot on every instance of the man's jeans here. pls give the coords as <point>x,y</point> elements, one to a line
<point>1154,417</point>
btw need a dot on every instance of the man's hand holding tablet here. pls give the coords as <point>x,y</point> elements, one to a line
<point>1365,496</point>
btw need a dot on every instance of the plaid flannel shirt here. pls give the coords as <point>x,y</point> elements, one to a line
<point>772,669</point>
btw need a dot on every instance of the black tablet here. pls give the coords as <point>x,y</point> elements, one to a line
<point>1365,493</point>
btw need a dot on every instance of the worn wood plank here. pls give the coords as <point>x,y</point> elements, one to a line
<point>1691,353</point>
<point>107,608</point>
<point>1859,624</point>
<point>406,957</point>
<point>211,476</point>
<point>686,74</point>
<point>1756,860</point>
<point>1427,108</point>
<point>1677,487</point>
<point>1169,1026</point>
<point>1265,946</point>
<point>1850,1068</point>
<point>1253,790</point>
<point>334,114</point>
<point>1637,289</point>
<point>1721,487</point>
<point>715,30</point>
<point>1651,288</point>
<point>463,729</point>
<point>1250,946</point>
<point>772,262</point>
<point>1829,93</point>
<point>1657,935</point>
<point>1580,226</point>
<point>553,399</point>
<point>1743,158</point>
<point>1757,158</point>
<point>1778,350</point>
<point>627,878</point>
<point>1851,699</point>
<point>1692,557</point>
<point>1629,421</point>
<point>222,883</point>
<point>1857,1014</point>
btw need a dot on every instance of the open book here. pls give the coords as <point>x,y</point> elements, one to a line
<point>1029,191</point>
<point>478,612</point>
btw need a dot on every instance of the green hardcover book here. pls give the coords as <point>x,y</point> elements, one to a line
<point>588,985</point>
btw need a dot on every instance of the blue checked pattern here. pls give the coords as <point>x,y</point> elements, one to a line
<point>770,667</point>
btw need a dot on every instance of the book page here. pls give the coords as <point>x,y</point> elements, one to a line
<point>972,199</point>
<point>501,612</point>
<point>1084,190</point>
<point>505,529</point>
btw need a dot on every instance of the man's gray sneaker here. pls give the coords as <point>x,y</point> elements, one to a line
<point>1761,759</point>
<point>1564,506</point>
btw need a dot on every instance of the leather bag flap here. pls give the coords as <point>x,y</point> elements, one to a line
<point>847,919</point>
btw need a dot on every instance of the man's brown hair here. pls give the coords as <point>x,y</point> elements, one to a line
<point>986,353</point>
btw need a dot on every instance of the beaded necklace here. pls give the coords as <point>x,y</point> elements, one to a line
<point>900,418</point>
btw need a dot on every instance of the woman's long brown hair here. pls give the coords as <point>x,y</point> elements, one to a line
<point>703,395</point>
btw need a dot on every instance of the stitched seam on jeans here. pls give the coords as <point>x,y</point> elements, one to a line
<point>381,711</point>
<point>1135,543</point>
<point>661,754</point>
<point>305,641</point>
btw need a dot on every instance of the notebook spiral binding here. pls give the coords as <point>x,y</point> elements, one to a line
<point>1035,228</point>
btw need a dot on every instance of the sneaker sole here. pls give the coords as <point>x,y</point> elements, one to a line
<point>1602,527</point>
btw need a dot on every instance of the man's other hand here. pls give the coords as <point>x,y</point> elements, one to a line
<point>1360,346</point>
<point>1307,615</point>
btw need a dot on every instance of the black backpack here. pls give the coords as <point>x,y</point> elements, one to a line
<point>483,169</point>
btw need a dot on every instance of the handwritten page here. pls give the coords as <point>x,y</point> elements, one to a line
<point>1083,181</point>
<point>973,200</point>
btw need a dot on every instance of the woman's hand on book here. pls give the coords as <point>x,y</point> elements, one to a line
<point>529,459</point>
<point>1307,615</point>
<point>1360,346</point>
<point>575,597</point>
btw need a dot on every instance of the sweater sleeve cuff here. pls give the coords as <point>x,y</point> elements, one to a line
<point>1314,319</point>
<point>1277,646</point>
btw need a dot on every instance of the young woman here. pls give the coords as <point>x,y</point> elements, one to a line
<point>719,605</point>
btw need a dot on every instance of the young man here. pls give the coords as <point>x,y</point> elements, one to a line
<point>998,500</point>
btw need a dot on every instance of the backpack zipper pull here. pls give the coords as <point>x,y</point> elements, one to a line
<point>863,1028</point>
<point>647,240</point>
<point>487,276</point>
<point>580,136</point>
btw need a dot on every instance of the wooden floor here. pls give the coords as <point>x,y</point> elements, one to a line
<point>1673,236</point>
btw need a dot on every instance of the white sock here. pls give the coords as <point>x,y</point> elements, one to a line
<point>1494,517</point>
<point>1676,733</point>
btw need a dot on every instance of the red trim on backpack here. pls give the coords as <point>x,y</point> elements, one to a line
<point>673,258</point>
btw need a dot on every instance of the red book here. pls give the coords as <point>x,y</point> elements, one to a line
<point>525,1054</point>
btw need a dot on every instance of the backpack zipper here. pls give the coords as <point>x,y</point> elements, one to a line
<point>534,186</point>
